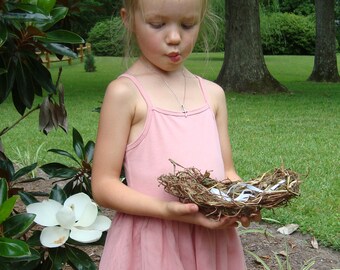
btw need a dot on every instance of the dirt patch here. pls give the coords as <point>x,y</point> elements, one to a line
<point>296,247</point>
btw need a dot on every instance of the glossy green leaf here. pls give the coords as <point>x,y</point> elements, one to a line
<point>25,91</point>
<point>7,207</point>
<point>34,240</point>
<point>59,170</point>
<point>3,71</point>
<point>26,17</point>
<point>41,74</point>
<point>3,33</point>
<point>25,170</point>
<point>78,144</point>
<point>17,225</point>
<point>79,259</point>
<point>19,106</point>
<point>60,49</point>
<point>89,151</point>
<point>3,190</point>
<point>58,194</point>
<point>61,36</point>
<point>22,262</point>
<point>46,5</point>
<point>29,7</point>
<point>58,257</point>
<point>64,153</point>
<point>57,14</point>
<point>7,169</point>
<point>13,248</point>
<point>27,198</point>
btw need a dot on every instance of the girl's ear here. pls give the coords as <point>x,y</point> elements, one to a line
<point>124,16</point>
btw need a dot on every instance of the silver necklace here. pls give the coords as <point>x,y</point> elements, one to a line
<point>181,104</point>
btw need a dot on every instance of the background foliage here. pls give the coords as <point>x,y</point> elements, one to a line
<point>287,33</point>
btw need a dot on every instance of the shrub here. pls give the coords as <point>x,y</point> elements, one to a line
<point>89,63</point>
<point>106,38</point>
<point>285,33</point>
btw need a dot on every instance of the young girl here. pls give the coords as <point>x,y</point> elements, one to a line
<point>155,111</point>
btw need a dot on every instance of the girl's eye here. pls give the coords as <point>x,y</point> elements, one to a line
<point>156,25</point>
<point>187,26</point>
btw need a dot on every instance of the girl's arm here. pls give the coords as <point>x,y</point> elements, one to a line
<point>220,107</point>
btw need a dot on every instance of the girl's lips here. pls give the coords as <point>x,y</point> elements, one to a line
<point>174,57</point>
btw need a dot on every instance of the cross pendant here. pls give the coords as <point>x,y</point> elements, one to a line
<point>184,111</point>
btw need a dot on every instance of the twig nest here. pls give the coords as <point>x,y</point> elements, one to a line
<point>229,198</point>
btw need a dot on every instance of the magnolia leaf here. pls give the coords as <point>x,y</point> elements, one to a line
<point>26,17</point>
<point>79,259</point>
<point>3,33</point>
<point>61,36</point>
<point>29,262</point>
<point>59,170</point>
<point>13,248</point>
<point>78,144</point>
<point>3,190</point>
<point>58,257</point>
<point>58,194</point>
<point>60,49</point>
<point>7,207</point>
<point>89,151</point>
<point>57,14</point>
<point>25,170</point>
<point>41,74</point>
<point>17,225</point>
<point>34,240</point>
<point>64,153</point>
<point>27,198</point>
<point>30,6</point>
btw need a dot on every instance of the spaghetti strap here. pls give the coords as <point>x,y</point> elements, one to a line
<point>204,90</point>
<point>140,88</point>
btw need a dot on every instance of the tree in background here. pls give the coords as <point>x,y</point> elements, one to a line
<point>244,68</point>
<point>325,62</point>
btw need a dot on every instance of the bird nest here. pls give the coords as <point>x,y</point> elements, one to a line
<point>229,198</point>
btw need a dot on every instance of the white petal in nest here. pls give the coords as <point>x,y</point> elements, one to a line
<point>53,237</point>
<point>78,202</point>
<point>281,182</point>
<point>45,212</point>
<point>220,194</point>
<point>84,235</point>
<point>244,196</point>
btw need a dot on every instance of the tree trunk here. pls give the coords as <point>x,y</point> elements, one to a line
<point>244,68</point>
<point>325,62</point>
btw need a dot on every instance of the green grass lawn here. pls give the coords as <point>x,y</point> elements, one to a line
<point>300,130</point>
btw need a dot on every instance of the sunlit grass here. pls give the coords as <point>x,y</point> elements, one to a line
<point>300,130</point>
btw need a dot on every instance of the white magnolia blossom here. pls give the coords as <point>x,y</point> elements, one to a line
<point>78,219</point>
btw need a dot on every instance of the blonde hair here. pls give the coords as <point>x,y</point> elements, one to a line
<point>208,21</point>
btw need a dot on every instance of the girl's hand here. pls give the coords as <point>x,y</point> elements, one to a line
<point>189,213</point>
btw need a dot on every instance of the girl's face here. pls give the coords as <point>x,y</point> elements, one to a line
<point>166,31</point>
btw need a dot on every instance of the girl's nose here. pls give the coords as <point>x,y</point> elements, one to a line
<point>173,36</point>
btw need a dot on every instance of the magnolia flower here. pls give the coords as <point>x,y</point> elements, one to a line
<point>78,218</point>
